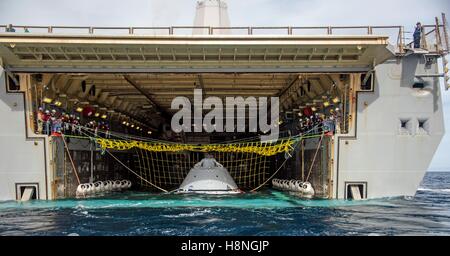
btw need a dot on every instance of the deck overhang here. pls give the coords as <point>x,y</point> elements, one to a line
<point>213,53</point>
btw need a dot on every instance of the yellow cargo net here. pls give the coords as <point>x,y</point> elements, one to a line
<point>260,148</point>
<point>164,165</point>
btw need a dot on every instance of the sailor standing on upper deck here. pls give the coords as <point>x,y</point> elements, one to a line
<point>10,28</point>
<point>417,35</point>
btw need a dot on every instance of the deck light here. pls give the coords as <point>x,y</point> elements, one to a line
<point>326,104</point>
<point>127,124</point>
<point>104,116</point>
<point>132,126</point>
<point>58,103</point>
<point>47,100</point>
<point>97,114</point>
<point>124,123</point>
<point>336,100</point>
<point>79,109</point>
<point>149,132</point>
<point>138,128</point>
<point>314,109</point>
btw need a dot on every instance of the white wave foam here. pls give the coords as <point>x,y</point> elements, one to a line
<point>438,190</point>
<point>192,214</point>
<point>119,205</point>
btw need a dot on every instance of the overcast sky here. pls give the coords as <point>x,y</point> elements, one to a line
<point>242,13</point>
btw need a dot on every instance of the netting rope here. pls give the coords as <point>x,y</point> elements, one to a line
<point>164,165</point>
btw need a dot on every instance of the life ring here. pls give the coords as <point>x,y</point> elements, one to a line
<point>110,185</point>
<point>97,187</point>
<point>129,184</point>
<point>285,184</point>
<point>90,188</point>
<point>116,185</point>
<point>81,189</point>
<point>282,184</point>
<point>93,190</point>
<point>298,186</point>
<point>292,185</point>
<point>86,188</point>
<point>308,189</point>
<point>274,183</point>
<point>278,184</point>
<point>104,186</point>
<point>123,184</point>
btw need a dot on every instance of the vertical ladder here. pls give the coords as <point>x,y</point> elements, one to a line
<point>445,29</point>
<point>446,50</point>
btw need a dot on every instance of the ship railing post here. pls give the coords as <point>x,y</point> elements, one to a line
<point>401,39</point>
<point>424,39</point>
<point>444,24</point>
<point>50,29</point>
<point>438,36</point>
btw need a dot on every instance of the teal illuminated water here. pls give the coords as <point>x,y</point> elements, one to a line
<point>264,213</point>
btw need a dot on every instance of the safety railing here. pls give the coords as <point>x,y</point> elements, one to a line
<point>184,30</point>
<point>434,35</point>
<point>433,39</point>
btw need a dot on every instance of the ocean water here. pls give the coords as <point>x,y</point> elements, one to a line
<point>264,213</point>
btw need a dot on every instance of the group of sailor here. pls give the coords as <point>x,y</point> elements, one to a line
<point>317,123</point>
<point>58,121</point>
<point>89,189</point>
<point>303,188</point>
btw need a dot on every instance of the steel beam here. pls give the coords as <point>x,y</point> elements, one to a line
<point>109,70</point>
<point>166,115</point>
